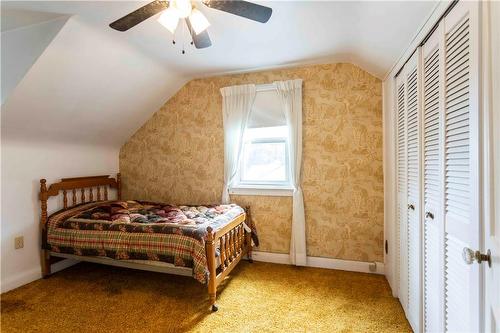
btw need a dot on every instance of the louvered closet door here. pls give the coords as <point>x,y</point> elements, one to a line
<point>462,282</point>
<point>413,191</point>
<point>401,227</point>
<point>433,228</point>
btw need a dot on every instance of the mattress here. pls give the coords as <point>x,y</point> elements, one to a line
<point>139,230</point>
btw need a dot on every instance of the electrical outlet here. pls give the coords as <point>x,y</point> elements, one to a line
<point>372,267</point>
<point>19,242</point>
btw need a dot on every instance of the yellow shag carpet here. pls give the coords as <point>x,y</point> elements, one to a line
<point>258,297</point>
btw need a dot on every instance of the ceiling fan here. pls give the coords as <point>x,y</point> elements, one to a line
<point>175,10</point>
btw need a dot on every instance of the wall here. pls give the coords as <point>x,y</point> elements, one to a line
<point>23,164</point>
<point>177,156</point>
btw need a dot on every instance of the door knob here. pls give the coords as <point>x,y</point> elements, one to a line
<point>411,206</point>
<point>471,256</point>
<point>429,215</point>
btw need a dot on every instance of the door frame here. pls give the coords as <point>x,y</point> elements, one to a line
<point>489,123</point>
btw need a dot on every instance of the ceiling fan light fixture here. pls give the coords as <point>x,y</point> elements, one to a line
<point>169,19</point>
<point>183,7</point>
<point>198,21</point>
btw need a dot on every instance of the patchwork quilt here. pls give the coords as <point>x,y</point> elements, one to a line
<point>139,230</point>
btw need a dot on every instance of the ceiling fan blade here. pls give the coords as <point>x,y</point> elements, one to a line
<point>139,15</point>
<point>241,8</point>
<point>201,40</point>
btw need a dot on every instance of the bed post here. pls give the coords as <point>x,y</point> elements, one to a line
<point>45,255</point>
<point>248,235</point>
<point>119,185</point>
<point>212,280</point>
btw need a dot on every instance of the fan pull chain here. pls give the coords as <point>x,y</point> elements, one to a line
<point>184,28</point>
<point>173,37</point>
<point>183,33</point>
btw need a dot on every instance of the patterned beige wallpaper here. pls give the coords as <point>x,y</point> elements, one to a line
<point>177,156</point>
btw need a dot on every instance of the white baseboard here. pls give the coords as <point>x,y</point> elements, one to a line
<point>20,279</point>
<point>344,265</point>
<point>275,258</point>
<point>31,275</point>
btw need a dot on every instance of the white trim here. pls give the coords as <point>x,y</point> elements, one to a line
<point>31,275</point>
<point>275,258</point>
<point>263,183</point>
<point>261,190</point>
<point>490,102</point>
<point>319,262</point>
<point>21,279</point>
<point>390,184</point>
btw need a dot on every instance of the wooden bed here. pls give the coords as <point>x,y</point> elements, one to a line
<point>233,240</point>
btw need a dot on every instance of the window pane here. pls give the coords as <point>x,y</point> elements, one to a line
<point>264,162</point>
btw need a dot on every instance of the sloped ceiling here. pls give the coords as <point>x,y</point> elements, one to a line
<point>15,19</point>
<point>94,84</point>
<point>25,35</point>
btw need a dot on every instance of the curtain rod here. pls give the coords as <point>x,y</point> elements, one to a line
<point>428,35</point>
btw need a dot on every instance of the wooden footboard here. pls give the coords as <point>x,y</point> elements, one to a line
<point>234,242</point>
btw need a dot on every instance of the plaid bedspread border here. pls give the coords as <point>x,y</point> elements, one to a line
<point>178,249</point>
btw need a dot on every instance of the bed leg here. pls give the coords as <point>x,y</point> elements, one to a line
<point>249,255</point>
<point>212,291</point>
<point>45,264</point>
<point>214,306</point>
<point>212,266</point>
<point>248,236</point>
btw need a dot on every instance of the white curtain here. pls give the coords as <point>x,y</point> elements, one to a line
<point>237,103</point>
<point>291,97</point>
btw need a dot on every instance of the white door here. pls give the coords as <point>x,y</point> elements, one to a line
<point>401,226</point>
<point>461,154</point>
<point>413,190</point>
<point>492,170</point>
<point>433,217</point>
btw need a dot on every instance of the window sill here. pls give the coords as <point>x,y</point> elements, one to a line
<point>273,191</point>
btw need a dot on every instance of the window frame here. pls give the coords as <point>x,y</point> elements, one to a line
<point>274,184</point>
<point>268,188</point>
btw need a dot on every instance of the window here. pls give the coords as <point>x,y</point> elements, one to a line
<point>265,157</point>
<point>264,166</point>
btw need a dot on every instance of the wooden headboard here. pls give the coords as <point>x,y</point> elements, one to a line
<point>75,188</point>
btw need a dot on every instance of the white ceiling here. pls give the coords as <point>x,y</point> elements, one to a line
<point>98,85</point>
<point>370,34</point>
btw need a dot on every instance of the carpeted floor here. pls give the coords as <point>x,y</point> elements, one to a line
<point>257,297</point>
